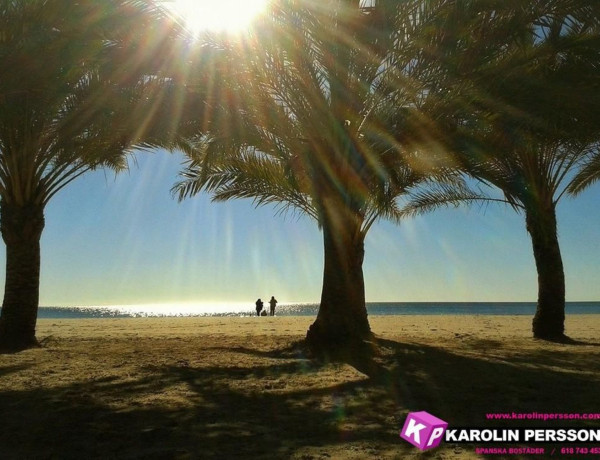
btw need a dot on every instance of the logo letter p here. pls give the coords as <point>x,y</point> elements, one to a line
<point>435,434</point>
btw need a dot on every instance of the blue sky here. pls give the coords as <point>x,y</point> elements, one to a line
<point>114,240</point>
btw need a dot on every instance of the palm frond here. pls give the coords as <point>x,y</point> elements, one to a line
<point>250,175</point>
<point>439,195</point>
<point>82,102</point>
<point>588,173</point>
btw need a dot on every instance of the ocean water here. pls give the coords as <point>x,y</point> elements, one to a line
<point>306,309</point>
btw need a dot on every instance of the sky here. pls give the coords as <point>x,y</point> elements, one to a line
<point>124,239</point>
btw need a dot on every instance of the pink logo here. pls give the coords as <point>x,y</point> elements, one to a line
<point>423,430</point>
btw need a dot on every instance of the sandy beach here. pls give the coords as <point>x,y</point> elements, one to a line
<point>226,387</point>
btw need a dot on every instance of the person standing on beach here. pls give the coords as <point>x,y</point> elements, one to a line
<point>272,303</point>
<point>259,307</point>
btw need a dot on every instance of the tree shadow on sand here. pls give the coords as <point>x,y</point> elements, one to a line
<point>291,406</point>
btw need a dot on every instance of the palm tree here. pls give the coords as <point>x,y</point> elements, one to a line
<point>517,102</point>
<point>75,86</point>
<point>314,95</point>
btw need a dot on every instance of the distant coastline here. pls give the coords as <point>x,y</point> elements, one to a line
<point>308,309</point>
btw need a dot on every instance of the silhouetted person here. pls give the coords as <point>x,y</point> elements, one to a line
<point>272,303</point>
<point>259,307</point>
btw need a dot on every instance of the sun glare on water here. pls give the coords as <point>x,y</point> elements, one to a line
<point>216,15</point>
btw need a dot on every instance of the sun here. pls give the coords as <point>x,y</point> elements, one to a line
<point>216,15</point>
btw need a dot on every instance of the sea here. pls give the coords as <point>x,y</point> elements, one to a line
<point>306,309</point>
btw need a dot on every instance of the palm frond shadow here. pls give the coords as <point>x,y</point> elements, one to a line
<point>7,370</point>
<point>293,350</point>
<point>566,340</point>
<point>444,382</point>
<point>286,404</point>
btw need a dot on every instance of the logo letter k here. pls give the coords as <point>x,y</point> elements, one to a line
<point>414,430</point>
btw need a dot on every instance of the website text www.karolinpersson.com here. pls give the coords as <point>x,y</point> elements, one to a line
<point>541,416</point>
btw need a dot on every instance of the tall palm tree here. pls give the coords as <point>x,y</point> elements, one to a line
<point>76,83</point>
<point>314,95</point>
<point>517,102</point>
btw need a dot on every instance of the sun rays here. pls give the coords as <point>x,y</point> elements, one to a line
<point>225,15</point>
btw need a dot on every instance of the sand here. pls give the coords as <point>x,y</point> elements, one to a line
<point>244,388</point>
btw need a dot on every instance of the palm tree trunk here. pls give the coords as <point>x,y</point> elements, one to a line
<point>21,228</point>
<point>342,319</point>
<point>549,319</point>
